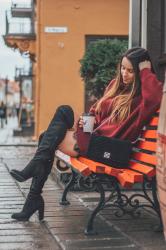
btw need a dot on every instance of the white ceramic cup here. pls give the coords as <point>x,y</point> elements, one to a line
<point>88,123</point>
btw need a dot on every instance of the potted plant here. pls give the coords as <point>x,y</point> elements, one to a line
<point>98,66</point>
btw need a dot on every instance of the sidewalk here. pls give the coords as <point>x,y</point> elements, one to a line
<point>64,226</point>
<point>6,134</point>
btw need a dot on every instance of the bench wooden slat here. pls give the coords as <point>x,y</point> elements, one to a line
<point>93,165</point>
<point>147,145</point>
<point>137,177</point>
<point>98,167</point>
<point>128,177</point>
<point>147,170</point>
<point>81,167</point>
<point>125,180</point>
<point>102,168</point>
<point>149,134</point>
<point>146,158</point>
<point>154,121</point>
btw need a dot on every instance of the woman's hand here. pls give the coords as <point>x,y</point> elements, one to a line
<point>144,64</point>
<point>80,123</point>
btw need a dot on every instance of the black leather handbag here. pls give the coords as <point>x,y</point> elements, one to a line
<point>111,151</point>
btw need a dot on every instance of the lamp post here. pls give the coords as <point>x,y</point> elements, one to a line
<point>20,105</point>
<point>6,97</point>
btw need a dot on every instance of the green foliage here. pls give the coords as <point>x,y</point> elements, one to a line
<point>99,64</point>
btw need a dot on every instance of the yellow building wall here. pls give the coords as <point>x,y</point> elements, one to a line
<point>58,54</point>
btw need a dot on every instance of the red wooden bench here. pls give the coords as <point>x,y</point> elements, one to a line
<point>91,175</point>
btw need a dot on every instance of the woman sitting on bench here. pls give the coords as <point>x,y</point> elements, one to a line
<point>127,104</point>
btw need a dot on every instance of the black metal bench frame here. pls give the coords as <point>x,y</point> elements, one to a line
<point>117,197</point>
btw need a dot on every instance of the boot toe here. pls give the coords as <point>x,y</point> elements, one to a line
<point>17,175</point>
<point>19,217</point>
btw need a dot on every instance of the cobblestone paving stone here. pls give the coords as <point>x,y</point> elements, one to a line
<point>64,226</point>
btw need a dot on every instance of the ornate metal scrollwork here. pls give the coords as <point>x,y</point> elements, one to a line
<point>87,183</point>
<point>132,204</point>
<point>121,201</point>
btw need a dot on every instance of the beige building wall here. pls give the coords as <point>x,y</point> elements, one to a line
<point>57,74</point>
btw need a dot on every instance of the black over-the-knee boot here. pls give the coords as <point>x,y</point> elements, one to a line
<point>63,119</point>
<point>34,201</point>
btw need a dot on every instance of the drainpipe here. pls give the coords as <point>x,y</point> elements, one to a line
<point>7,24</point>
<point>144,24</point>
<point>38,73</point>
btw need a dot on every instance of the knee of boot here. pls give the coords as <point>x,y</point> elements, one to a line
<point>67,113</point>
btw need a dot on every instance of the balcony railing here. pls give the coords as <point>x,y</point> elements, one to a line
<point>22,9</point>
<point>22,5</point>
<point>22,72</point>
<point>19,28</point>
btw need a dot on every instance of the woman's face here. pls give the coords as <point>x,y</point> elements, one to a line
<point>127,71</point>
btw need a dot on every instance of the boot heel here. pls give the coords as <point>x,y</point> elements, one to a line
<point>41,212</point>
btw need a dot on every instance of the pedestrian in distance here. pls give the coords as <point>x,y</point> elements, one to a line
<point>126,106</point>
<point>2,113</point>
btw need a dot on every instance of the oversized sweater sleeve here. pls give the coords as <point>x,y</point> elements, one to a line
<point>151,93</point>
<point>151,88</point>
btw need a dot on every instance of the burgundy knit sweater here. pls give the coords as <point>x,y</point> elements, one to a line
<point>142,108</point>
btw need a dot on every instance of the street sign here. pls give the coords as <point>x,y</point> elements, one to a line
<point>55,29</point>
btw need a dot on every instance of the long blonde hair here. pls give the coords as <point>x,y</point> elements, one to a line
<point>121,99</point>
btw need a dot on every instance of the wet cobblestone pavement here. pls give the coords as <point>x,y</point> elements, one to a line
<point>64,226</point>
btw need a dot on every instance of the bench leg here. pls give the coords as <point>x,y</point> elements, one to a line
<point>89,229</point>
<point>72,181</point>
